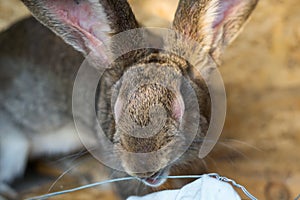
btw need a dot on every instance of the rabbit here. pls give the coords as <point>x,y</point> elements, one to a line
<point>38,69</point>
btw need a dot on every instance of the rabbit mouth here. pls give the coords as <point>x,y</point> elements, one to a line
<point>156,179</point>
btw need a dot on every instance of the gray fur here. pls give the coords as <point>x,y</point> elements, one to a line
<point>37,72</point>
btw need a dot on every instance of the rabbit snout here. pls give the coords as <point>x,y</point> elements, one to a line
<point>148,113</point>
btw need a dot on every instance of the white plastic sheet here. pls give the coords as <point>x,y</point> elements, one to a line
<point>205,188</point>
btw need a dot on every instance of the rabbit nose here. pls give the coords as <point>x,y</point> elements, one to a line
<point>144,175</point>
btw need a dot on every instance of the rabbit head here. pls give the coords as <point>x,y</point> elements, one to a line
<point>148,112</point>
<point>148,103</point>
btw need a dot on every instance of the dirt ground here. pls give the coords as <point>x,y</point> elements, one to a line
<point>260,144</point>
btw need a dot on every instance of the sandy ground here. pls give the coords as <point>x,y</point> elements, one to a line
<point>260,144</point>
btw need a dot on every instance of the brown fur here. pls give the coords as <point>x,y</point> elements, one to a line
<point>140,80</point>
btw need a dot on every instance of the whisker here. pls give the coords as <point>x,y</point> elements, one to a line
<point>204,163</point>
<point>64,173</point>
<point>140,184</point>
<point>112,174</point>
<point>229,140</point>
<point>83,152</point>
<point>235,150</point>
<point>79,188</point>
<point>214,162</point>
<point>75,156</point>
<point>212,175</point>
<point>243,143</point>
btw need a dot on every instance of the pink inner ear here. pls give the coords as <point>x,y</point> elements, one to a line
<point>226,7</point>
<point>86,17</point>
<point>178,107</point>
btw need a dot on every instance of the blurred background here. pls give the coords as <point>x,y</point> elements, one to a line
<point>260,144</point>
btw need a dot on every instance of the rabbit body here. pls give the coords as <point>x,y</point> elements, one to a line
<point>38,69</point>
<point>35,96</point>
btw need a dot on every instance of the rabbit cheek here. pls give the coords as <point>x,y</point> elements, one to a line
<point>178,108</point>
<point>117,109</point>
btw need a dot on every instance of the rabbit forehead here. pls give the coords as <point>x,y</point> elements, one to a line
<point>150,73</point>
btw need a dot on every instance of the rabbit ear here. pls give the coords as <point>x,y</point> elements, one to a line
<point>212,23</point>
<point>84,24</point>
